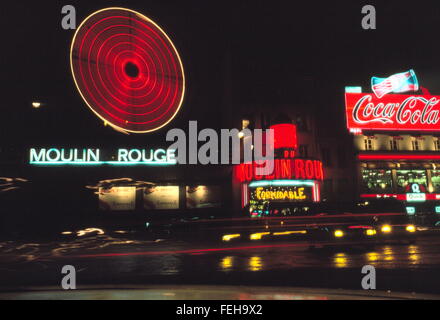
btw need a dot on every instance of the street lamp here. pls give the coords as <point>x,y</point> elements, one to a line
<point>36,104</point>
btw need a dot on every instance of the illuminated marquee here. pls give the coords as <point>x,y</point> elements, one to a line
<point>284,191</point>
<point>298,169</point>
<point>365,111</point>
<point>282,194</point>
<point>55,156</point>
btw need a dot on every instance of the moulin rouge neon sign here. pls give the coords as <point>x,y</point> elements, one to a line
<point>392,112</point>
<point>299,169</point>
<point>94,157</point>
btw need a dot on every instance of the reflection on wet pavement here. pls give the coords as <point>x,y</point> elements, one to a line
<point>227,263</point>
<point>255,264</point>
<point>104,258</point>
<point>172,254</point>
<point>340,260</point>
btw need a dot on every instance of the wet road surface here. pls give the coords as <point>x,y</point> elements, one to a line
<point>109,260</point>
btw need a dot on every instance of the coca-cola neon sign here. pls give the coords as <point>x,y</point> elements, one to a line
<point>364,111</point>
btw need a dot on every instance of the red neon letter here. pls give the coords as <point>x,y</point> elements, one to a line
<point>286,169</point>
<point>299,169</point>
<point>309,169</point>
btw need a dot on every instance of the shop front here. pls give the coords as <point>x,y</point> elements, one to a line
<point>108,186</point>
<point>294,182</point>
<point>384,179</point>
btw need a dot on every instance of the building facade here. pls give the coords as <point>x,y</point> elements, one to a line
<point>396,138</point>
<point>314,141</point>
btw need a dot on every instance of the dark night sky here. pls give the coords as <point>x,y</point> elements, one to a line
<point>280,52</point>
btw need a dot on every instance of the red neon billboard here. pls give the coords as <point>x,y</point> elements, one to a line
<point>285,136</point>
<point>127,70</point>
<point>395,112</point>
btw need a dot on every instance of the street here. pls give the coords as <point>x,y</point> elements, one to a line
<point>128,260</point>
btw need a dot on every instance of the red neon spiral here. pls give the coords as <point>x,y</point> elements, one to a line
<point>127,70</point>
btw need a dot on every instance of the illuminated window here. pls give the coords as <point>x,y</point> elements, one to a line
<point>415,145</point>
<point>394,144</point>
<point>435,179</point>
<point>405,177</point>
<point>437,144</point>
<point>377,181</point>
<point>368,144</point>
<point>245,124</point>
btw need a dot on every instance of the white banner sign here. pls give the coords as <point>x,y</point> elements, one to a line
<point>161,197</point>
<point>117,198</point>
<point>203,197</point>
